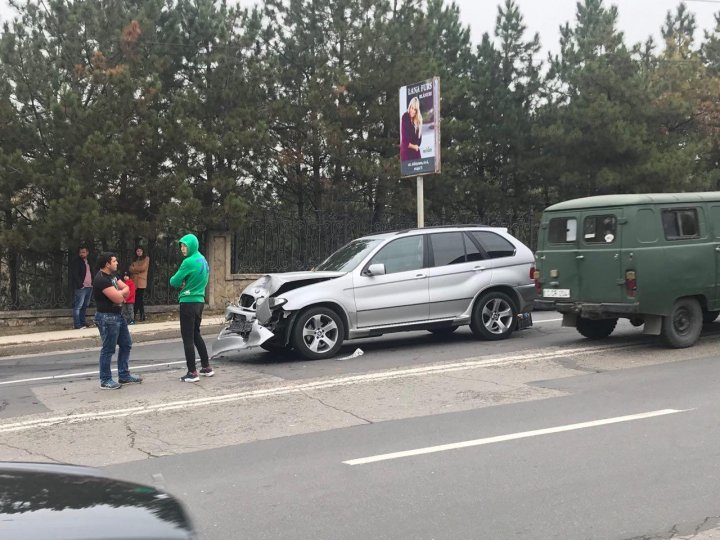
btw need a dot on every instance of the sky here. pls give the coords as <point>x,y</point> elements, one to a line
<point>638,19</point>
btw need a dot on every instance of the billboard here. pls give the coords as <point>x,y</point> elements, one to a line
<point>420,128</point>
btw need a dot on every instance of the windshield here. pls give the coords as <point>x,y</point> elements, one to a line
<point>349,256</point>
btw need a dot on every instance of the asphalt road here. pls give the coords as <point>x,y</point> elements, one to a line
<point>637,479</point>
<point>545,435</point>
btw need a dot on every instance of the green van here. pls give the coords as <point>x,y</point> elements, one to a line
<point>651,258</point>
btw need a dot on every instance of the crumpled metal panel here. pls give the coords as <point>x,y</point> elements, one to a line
<point>230,341</point>
<point>263,312</point>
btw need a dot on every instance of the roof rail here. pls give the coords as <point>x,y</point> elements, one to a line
<point>460,225</point>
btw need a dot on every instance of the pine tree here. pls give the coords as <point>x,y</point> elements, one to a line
<point>593,131</point>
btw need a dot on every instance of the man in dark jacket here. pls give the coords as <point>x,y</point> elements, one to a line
<point>82,283</point>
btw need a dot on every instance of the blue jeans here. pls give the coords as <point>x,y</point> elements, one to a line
<point>80,304</point>
<point>114,332</point>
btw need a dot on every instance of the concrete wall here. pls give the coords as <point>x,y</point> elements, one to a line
<point>52,319</point>
<point>224,287</point>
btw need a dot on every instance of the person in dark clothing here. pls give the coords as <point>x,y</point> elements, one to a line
<point>82,284</point>
<point>192,278</point>
<point>110,293</point>
<point>411,131</point>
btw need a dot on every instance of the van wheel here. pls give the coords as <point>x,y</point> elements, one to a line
<point>318,333</point>
<point>595,328</point>
<point>682,327</point>
<point>710,316</point>
<point>493,316</point>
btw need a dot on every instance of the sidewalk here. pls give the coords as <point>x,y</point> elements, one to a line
<point>59,340</point>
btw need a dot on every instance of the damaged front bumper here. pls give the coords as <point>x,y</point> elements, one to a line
<point>243,332</point>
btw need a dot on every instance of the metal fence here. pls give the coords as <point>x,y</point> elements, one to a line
<point>268,243</point>
<point>273,243</point>
<point>30,280</point>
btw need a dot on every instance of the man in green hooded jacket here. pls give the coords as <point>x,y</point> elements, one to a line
<point>192,279</point>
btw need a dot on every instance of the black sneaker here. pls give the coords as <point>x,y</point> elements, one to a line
<point>207,372</point>
<point>110,385</point>
<point>130,379</point>
<point>190,376</point>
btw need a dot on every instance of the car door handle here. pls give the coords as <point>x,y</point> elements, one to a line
<point>717,249</point>
<point>419,275</point>
<point>478,268</point>
<point>580,257</point>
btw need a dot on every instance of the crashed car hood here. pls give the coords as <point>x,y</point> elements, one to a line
<point>292,280</point>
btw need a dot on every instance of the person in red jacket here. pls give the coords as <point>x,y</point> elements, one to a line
<point>128,307</point>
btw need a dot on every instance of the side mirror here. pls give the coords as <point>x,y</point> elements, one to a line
<point>377,269</point>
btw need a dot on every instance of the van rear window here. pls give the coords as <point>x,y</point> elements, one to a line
<point>680,223</point>
<point>600,229</point>
<point>562,230</point>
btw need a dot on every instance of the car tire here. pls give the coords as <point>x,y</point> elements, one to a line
<point>443,330</point>
<point>318,333</point>
<point>595,328</point>
<point>274,347</point>
<point>710,316</point>
<point>493,316</point>
<point>682,327</point>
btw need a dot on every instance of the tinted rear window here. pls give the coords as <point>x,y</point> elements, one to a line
<point>494,245</point>
<point>447,248</point>
<point>472,251</point>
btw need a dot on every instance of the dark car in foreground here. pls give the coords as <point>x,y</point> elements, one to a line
<point>41,501</point>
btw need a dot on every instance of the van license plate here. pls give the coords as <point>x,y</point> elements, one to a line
<point>556,293</point>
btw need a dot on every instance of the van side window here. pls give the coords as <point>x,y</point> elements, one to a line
<point>680,223</point>
<point>600,229</point>
<point>494,245</point>
<point>562,230</point>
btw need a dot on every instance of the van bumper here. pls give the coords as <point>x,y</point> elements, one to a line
<point>597,310</point>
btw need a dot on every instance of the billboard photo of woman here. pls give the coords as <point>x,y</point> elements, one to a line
<point>411,131</point>
<point>420,128</point>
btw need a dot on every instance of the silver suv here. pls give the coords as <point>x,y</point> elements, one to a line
<point>435,279</point>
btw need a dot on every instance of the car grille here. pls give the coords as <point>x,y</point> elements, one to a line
<point>240,325</point>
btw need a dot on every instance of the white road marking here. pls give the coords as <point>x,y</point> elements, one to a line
<point>387,375</point>
<point>144,343</point>
<point>209,337</point>
<point>512,436</point>
<point>148,366</point>
<point>95,372</point>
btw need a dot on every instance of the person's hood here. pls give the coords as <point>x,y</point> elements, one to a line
<point>191,241</point>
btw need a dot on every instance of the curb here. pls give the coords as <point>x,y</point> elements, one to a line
<point>69,344</point>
